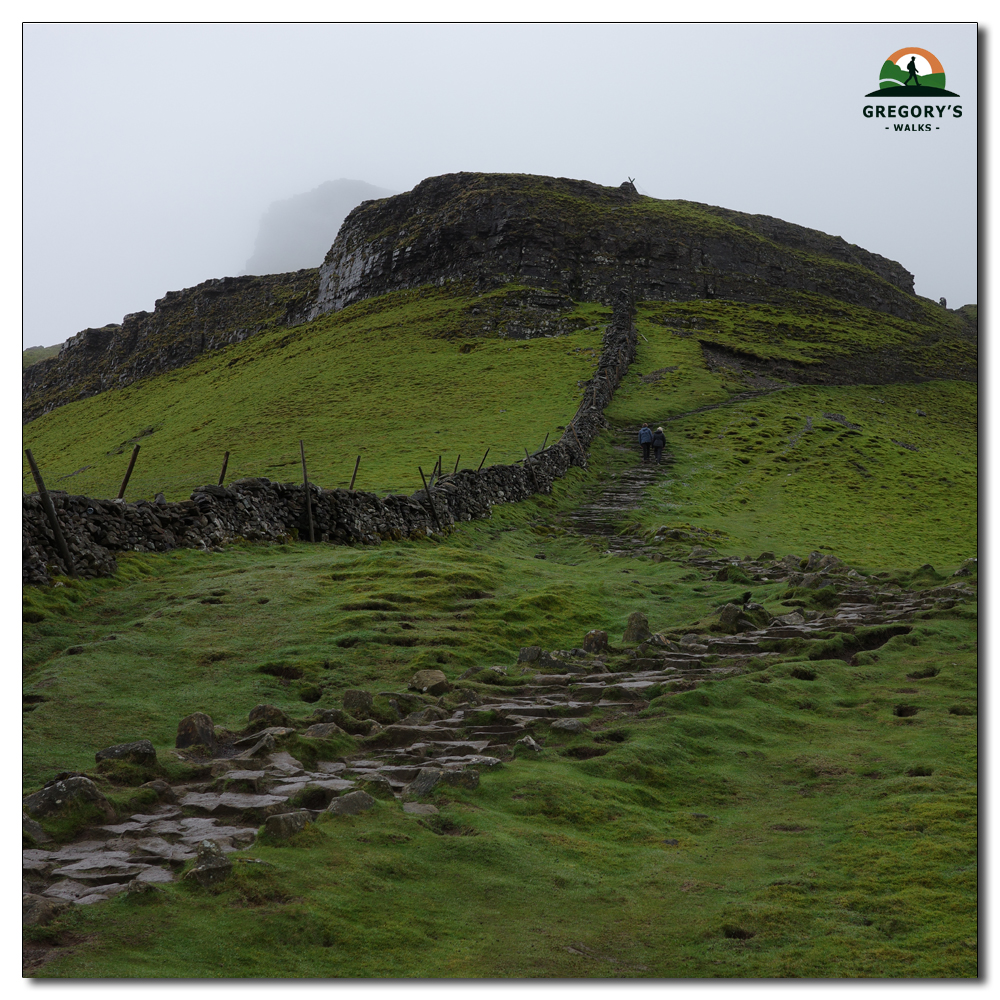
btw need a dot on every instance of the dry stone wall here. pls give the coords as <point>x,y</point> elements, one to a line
<point>259,510</point>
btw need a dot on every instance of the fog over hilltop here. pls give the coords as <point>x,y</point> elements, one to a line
<point>297,232</point>
<point>170,174</point>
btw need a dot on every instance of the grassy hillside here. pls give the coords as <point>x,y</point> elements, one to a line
<point>784,822</point>
<point>32,355</point>
<point>397,380</point>
<point>743,829</point>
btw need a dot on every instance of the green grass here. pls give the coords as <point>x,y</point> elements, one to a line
<point>810,329</point>
<point>32,355</point>
<point>805,847</point>
<point>850,469</point>
<point>341,617</point>
<point>399,380</point>
<point>795,818</point>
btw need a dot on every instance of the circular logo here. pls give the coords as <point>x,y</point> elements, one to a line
<point>912,72</point>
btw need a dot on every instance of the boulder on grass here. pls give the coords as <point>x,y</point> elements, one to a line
<point>527,743</point>
<point>64,796</point>
<point>376,786</point>
<point>162,789</point>
<point>568,725</point>
<point>141,752</point>
<point>351,804</point>
<point>196,729</point>
<point>426,779</point>
<point>595,641</point>
<point>430,682</point>
<point>32,831</point>
<point>637,629</point>
<point>345,720</point>
<point>358,703</point>
<point>420,809</point>
<point>286,825</point>
<point>39,910</point>
<point>270,716</point>
<point>212,865</point>
<point>324,731</point>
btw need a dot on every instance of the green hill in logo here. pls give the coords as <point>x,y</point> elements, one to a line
<point>894,78</point>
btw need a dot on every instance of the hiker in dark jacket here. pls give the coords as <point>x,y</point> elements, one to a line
<point>645,439</point>
<point>659,442</point>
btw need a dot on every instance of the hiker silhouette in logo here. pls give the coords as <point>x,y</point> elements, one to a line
<point>911,68</point>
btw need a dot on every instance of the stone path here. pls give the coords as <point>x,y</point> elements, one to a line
<point>604,507</point>
<point>555,691</point>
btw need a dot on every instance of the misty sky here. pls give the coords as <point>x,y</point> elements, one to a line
<point>151,151</point>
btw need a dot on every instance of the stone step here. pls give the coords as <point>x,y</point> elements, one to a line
<point>734,646</point>
<point>228,803</point>
<point>569,709</point>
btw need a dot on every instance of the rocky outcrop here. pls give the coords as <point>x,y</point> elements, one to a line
<point>560,240</point>
<point>581,240</point>
<point>182,326</point>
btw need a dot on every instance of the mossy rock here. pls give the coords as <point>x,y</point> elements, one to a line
<point>124,772</point>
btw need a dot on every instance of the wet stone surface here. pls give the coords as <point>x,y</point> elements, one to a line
<point>417,762</point>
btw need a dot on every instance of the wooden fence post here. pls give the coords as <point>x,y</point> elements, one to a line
<point>430,499</point>
<point>356,464</point>
<point>456,463</point>
<point>484,459</point>
<point>50,513</point>
<point>128,471</point>
<point>305,483</point>
<point>527,465</point>
<point>225,462</point>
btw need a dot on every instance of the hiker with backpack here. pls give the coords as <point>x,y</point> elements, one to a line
<point>659,443</point>
<point>645,439</point>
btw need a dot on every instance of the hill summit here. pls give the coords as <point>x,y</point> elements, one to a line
<point>582,239</point>
<point>559,240</point>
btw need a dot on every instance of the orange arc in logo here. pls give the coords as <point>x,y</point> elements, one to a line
<point>929,56</point>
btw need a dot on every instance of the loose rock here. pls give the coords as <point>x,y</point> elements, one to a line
<point>351,804</point>
<point>39,910</point>
<point>729,615</point>
<point>141,752</point>
<point>32,830</point>
<point>212,867</point>
<point>268,715</point>
<point>466,778</point>
<point>420,809</point>
<point>358,703</point>
<point>377,786</point>
<point>430,682</point>
<point>162,789</point>
<point>528,742</point>
<point>324,731</point>
<point>426,779</point>
<point>63,796</point>
<point>568,725</point>
<point>194,730</point>
<point>595,641</point>
<point>637,629</point>
<point>287,824</point>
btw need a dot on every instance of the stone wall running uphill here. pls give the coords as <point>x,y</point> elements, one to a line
<point>259,510</point>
